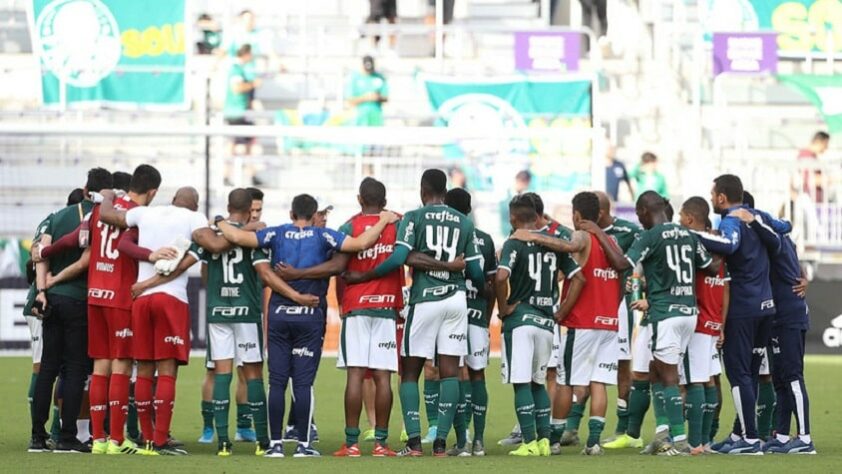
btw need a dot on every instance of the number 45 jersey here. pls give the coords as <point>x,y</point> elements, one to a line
<point>110,274</point>
<point>442,233</point>
<point>670,255</point>
<point>234,290</point>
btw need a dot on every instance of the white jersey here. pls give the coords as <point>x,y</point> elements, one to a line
<point>160,227</point>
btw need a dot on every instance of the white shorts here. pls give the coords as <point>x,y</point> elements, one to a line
<point>671,337</point>
<point>553,363</point>
<point>624,331</point>
<point>642,349</point>
<point>367,341</point>
<point>587,355</point>
<point>526,351</point>
<point>698,359</point>
<point>242,342</point>
<point>437,327</point>
<point>764,364</point>
<point>479,344</point>
<point>36,337</point>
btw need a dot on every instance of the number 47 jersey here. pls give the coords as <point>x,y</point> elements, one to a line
<point>442,233</point>
<point>110,274</point>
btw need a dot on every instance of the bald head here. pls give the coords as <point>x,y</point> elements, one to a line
<point>605,218</point>
<point>186,197</point>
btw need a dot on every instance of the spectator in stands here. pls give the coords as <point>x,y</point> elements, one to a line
<point>447,14</point>
<point>615,173</point>
<point>366,91</point>
<point>458,178</point>
<point>380,10</point>
<point>210,34</point>
<point>812,182</point>
<point>239,95</point>
<point>647,177</point>
<point>523,180</point>
<point>245,31</point>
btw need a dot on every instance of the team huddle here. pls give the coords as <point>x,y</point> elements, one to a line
<point>605,303</point>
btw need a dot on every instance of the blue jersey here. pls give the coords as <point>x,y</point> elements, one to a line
<point>748,263</point>
<point>300,247</point>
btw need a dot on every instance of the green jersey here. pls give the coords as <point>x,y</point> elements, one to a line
<point>234,290</point>
<point>237,103</point>
<point>442,233</point>
<point>369,114</point>
<point>533,282</point>
<point>64,222</point>
<point>670,255</point>
<point>625,233</point>
<point>478,305</point>
<point>30,296</point>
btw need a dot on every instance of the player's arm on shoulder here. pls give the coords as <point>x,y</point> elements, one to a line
<point>334,266</point>
<point>370,236</point>
<point>502,290</point>
<point>211,241</point>
<point>577,282</point>
<point>68,242</point>
<point>158,279</point>
<point>705,262</point>
<point>71,271</point>
<point>110,215</point>
<point>767,235</point>
<point>728,240</point>
<point>282,288</point>
<point>424,262</point>
<point>555,244</point>
<point>242,238</point>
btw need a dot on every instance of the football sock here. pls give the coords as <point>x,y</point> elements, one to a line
<point>448,399</point>
<point>595,426</point>
<point>118,394</point>
<point>557,430</point>
<point>221,404</point>
<point>55,427</point>
<point>574,419</point>
<point>542,410</point>
<point>460,421</point>
<point>352,436</point>
<point>525,411</point>
<point>410,405</point>
<point>765,409</point>
<point>696,406</point>
<point>98,396</point>
<point>257,403</point>
<point>143,397</point>
<point>465,388</point>
<point>381,435</point>
<point>243,416</point>
<point>639,399</point>
<point>675,412</point>
<point>659,407</point>
<point>431,401</point>
<point>479,401</point>
<point>711,402</point>
<point>164,403</point>
<point>207,414</point>
<point>622,416</point>
<point>131,419</point>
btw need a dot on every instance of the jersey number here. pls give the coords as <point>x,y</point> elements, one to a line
<point>108,235</point>
<point>442,241</point>
<point>230,275</point>
<point>536,267</point>
<point>678,257</point>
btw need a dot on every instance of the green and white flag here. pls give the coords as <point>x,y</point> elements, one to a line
<point>825,92</point>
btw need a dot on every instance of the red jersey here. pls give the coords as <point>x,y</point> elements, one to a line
<point>386,292</point>
<point>710,292</point>
<point>599,300</point>
<point>110,275</point>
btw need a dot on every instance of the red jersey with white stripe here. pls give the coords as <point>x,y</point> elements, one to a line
<point>710,294</point>
<point>110,275</point>
<point>385,292</point>
<point>599,300</point>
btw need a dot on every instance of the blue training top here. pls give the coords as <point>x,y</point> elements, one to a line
<point>301,247</point>
<point>748,263</point>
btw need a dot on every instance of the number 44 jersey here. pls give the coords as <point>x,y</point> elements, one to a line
<point>234,290</point>
<point>442,233</point>
<point>110,275</point>
<point>670,255</point>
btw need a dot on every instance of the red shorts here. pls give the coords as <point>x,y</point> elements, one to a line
<point>109,333</point>
<point>161,325</point>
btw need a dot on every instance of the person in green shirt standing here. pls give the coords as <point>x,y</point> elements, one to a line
<point>366,91</point>
<point>239,95</point>
<point>647,177</point>
<point>65,327</point>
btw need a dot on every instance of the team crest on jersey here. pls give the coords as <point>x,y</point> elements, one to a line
<point>269,236</point>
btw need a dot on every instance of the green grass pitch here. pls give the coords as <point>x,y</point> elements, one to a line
<point>824,379</point>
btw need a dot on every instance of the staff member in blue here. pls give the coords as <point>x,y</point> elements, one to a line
<point>296,332</point>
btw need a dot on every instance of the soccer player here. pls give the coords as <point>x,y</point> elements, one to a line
<point>749,323</point>
<point>788,330</point>
<point>296,332</point>
<point>527,294</point>
<point>65,330</point>
<point>670,255</point>
<point>437,324</point>
<point>110,277</point>
<point>701,360</point>
<point>160,317</point>
<point>624,233</point>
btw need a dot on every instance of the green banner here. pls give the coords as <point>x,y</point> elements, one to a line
<point>802,25</point>
<point>119,53</point>
<point>825,92</point>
